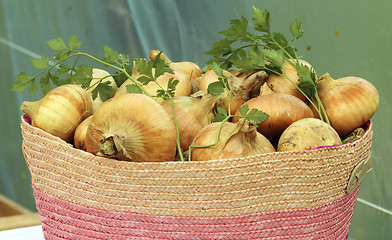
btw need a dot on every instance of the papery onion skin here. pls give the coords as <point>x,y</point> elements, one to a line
<point>308,133</point>
<point>132,127</point>
<point>192,114</point>
<point>81,132</point>
<point>60,111</point>
<point>283,110</point>
<point>350,102</point>
<point>236,140</point>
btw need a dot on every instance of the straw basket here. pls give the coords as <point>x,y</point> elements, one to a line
<point>283,195</point>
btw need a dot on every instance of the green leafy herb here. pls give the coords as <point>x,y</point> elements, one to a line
<point>254,114</point>
<point>220,115</point>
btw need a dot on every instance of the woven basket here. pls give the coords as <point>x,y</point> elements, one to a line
<point>282,195</point>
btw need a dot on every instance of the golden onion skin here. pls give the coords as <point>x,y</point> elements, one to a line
<point>60,111</point>
<point>308,133</point>
<point>236,140</point>
<point>350,102</point>
<point>132,127</point>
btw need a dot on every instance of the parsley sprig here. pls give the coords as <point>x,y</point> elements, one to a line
<point>222,114</point>
<point>265,50</point>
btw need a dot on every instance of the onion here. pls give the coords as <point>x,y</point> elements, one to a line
<point>280,84</point>
<point>81,132</point>
<point>308,133</point>
<point>60,111</point>
<point>349,102</point>
<point>236,140</point>
<point>132,127</point>
<point>283,110</point>
<point>192,114</point>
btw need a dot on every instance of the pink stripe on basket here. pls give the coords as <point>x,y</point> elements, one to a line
<point>65,220</point>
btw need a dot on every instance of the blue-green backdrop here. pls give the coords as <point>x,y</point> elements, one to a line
<point>342,38</point>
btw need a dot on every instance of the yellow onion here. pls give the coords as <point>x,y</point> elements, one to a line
<point>283,109</point>
<point>349,102</point>
<point>308,133</point>
<point>236,140</point>
<point>190,69</point>
<point>192,114</point>
<point>280,84</point>
<point>81,132</point>
<point>239,88</point>
<point>132,127</point>
<point>97,75</point>
<point>60,111</point>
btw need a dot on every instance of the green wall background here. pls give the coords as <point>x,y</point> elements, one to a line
<point>343,38</point>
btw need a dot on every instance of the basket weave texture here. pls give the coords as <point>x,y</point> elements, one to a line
<point>282,195</point>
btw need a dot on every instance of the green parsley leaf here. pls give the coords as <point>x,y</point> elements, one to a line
<point>57,44</point>
<point>132,88</point>
<point>83,75</point>
<point>33,87</point>
<point>62,70</point>
<point>171,87</point>
<point>111,56</point>
<point>221,47</point>
<point>61,55</point>
<point>237,30</point>
<point>40,63</point>
<point>254,114</point>
<point>144,67</point>
<point>23,79</point>
<point>45,83</point>
<point>144,80</point>
<point>216,88</point>
<point>74,42</point>
<point>220,115</point>
<point>104,89</point>
<point>261,19</point>
<point>307,80</point>
<point>275,58</point>
<point>296,29</point>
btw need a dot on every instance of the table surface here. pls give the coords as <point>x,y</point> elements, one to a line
<point>30,233</point>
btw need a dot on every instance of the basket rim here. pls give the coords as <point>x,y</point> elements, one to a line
<point>108,161</point>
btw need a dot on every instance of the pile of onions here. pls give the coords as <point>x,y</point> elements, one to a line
<point>144,128</point>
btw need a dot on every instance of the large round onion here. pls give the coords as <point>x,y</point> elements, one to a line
<point>349,102</point>
<point>236,140</point>
<point>283,110</point>
<point>132,127</point>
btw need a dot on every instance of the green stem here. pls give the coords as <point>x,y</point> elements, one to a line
<point>209,145</point>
